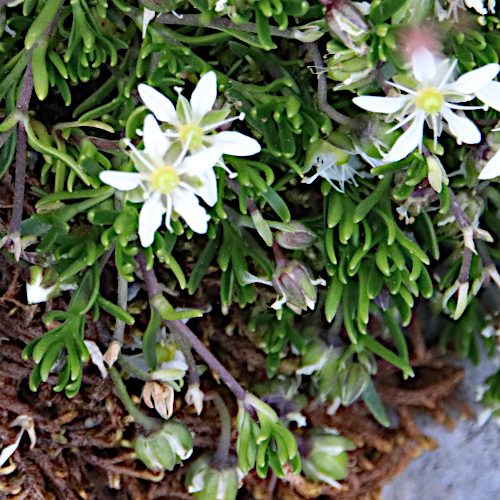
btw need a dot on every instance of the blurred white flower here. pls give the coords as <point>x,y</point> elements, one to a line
<point>35,292</point>
<point>333,164</point>
<point>433,100</point>
<point>454,5</point>
<point>170,182</point>
<point>193,121</point>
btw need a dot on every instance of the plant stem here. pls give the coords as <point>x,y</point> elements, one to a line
<point>221,456</point>
<point>278,255</point>
<point>185,347</point>
<point>148,423</point>
<point>133,370</point>
<point>17,209</point>
<point>222,22</point>
<point>153,288</point>
<point>323,89</point>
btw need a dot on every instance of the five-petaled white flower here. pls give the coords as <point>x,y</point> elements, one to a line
<point>192,122</point>
<point>170,181</point>
<point>434,98</point>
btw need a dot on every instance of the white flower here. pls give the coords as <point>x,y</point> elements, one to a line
<point>454,5</point>
<point>170,181</point>
<point>492,168</point>
<point>192,122</point>
<point>434,99</point>
<point>35,292</point>
<point>332,163</point>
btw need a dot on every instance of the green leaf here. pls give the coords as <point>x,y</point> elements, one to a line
<point>372,401</point>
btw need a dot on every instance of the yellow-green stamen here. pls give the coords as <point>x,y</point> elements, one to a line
<point>192,134</point>
<point>430,100</point>
<point>165,179</point>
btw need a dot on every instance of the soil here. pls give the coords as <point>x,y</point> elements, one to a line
<point>81,450</point>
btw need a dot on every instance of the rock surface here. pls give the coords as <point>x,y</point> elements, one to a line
<point>466,466</point>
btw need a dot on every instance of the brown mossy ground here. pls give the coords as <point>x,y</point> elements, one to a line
<point>81,450</point>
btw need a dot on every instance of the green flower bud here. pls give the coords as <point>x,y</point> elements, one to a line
<point>347,22</point>
<point>328,457</point>
<point>296,287</point>
<point>207,482</point>
<point>299,237</point>
<point>351,382</point>
<point>164,449</point>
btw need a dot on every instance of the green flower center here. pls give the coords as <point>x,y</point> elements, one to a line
<point>192,134</point>
<point>430,100</point>
<point>165,179</point>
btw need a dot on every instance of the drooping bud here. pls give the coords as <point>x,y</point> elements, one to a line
<point>328,457</point>
<point>296,287</point>
<point>164,449</point>
<point>210,483</point>
<point>159,395</point>
<point>299,237</point>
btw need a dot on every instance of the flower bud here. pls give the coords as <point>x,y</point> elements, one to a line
<point>351,382</point>
<point>328,457</point>
<point>299,237</point>
<point>346,21</point>
<point>296,287</point>
<point>210,483</point>
<point>163,449</point>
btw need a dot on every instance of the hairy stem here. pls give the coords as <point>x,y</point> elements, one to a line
<point>323,89</point>
<point>17,209</point>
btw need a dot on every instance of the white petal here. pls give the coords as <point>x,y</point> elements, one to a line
<point>150,218</point>
<point>236,144</point>
<point>492,168</point>
<point>8,451</point>
<point>424,65</point>
<point>408,141</point>
<point>474,80</point>
<point>187,206</point>
<point>124,181</point>
<point>204,95</point>
<point>490,95</point>
<point>159,104</point>
<point>147,16</point>
<point>196,164</point>
<point>96,356</point>
<point>155,142</point>
<point>461,127</point>
<point>380,104</point>
<point>208,190</point>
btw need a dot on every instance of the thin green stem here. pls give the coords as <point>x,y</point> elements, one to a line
<point>147,422</point>
<point>219,23</point>
<point>221,456</point>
